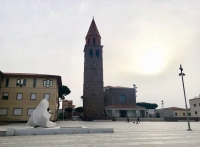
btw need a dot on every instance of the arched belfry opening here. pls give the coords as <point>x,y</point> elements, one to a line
<point>88,43</point>
<point>94,41</point>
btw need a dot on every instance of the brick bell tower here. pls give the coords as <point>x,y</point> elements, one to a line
<point>93,104</point>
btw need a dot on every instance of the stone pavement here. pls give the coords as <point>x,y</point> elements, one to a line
<point>145,134</point>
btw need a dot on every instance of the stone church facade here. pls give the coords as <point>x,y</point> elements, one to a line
<point>100,101</point>
<point>121,102</point>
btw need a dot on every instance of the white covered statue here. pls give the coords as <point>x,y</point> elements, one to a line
<point>40,116</point>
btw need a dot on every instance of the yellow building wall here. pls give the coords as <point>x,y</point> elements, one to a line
<point>26,101</point>
<point>180,113</point>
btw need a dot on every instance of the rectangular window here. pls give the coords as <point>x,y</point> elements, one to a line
<point>3,112</point>
<point>18,82</point>
<point>189,114</point>
<point>34,82</point>
<point>199,104</point>
<point>21,82</point>
<point>5,96</point>
<point>50,83</point>
<point>195,112</point>
<point>47,83</point>
<point>194,105</point>
<point>175,114</point>
<point>7,82</point>
<point>47,96</point>
<point>30,111</point>
<point>44,83</point>
<point>183,114</point>
<point>33,96</point>
<point>24,82</point>
<point>17,111</point>
<point>19,96</point>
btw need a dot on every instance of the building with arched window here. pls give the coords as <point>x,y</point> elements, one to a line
<point>121,102</point>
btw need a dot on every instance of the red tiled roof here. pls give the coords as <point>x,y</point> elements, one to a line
<point>93,31</point>
<point>194,98</point>
<point>123,106</point>
<point>174,108</point>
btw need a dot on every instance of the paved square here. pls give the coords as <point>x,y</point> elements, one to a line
<point>145,134</point>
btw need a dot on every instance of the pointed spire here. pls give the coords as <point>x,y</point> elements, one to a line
<point>93,31</point>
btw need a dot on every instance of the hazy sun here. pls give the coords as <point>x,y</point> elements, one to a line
<point>151,62</point>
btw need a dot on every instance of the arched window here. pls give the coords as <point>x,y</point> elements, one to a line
<point>94,41</point>
<point>88,42</point>
<point>97,53</point>
<point>122,98</point>
<point>90,53</point>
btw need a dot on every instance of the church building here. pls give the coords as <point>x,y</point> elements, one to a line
<point>100,101</point>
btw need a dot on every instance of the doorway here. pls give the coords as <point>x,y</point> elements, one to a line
<point>123,113</point>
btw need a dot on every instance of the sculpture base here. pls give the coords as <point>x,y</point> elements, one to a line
<point>56,130</point>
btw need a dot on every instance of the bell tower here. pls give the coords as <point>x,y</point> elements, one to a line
<point>93,104</point>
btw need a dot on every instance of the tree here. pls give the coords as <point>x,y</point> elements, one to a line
<point>63,91</point>
<point>147,105</point>
<point>79,109</point>
<point>68,110</point>
<point>61,116</point>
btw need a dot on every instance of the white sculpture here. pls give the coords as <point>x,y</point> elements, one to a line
<point>40,116</point>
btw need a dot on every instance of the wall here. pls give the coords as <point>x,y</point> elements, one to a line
<point>165,113</point>
<point>26,102</point>
<point>194,109</point>
<point>112,95</point>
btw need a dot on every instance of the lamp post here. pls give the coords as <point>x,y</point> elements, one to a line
<point>162,103</point>
<point>182,74</point>
<point>135,87</point>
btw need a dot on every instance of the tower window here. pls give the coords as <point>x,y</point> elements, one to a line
<point>94,41</point>
<point>88,42</point>
<point>97,53</point>
<point>90,53</point>
<point>98,41</point>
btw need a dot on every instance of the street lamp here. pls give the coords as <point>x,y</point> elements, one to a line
<point>182,74</point>
<point>135,87</point>
<point>162,103</point>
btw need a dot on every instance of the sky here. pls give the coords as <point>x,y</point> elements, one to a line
<point>144,43</point>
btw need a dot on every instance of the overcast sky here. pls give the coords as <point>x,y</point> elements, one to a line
<point>144,44</point>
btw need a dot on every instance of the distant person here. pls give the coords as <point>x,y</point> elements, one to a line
<point>138,120</point>
<point>127,119</point>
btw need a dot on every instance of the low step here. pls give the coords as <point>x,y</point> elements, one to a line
<point>57,130</point>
